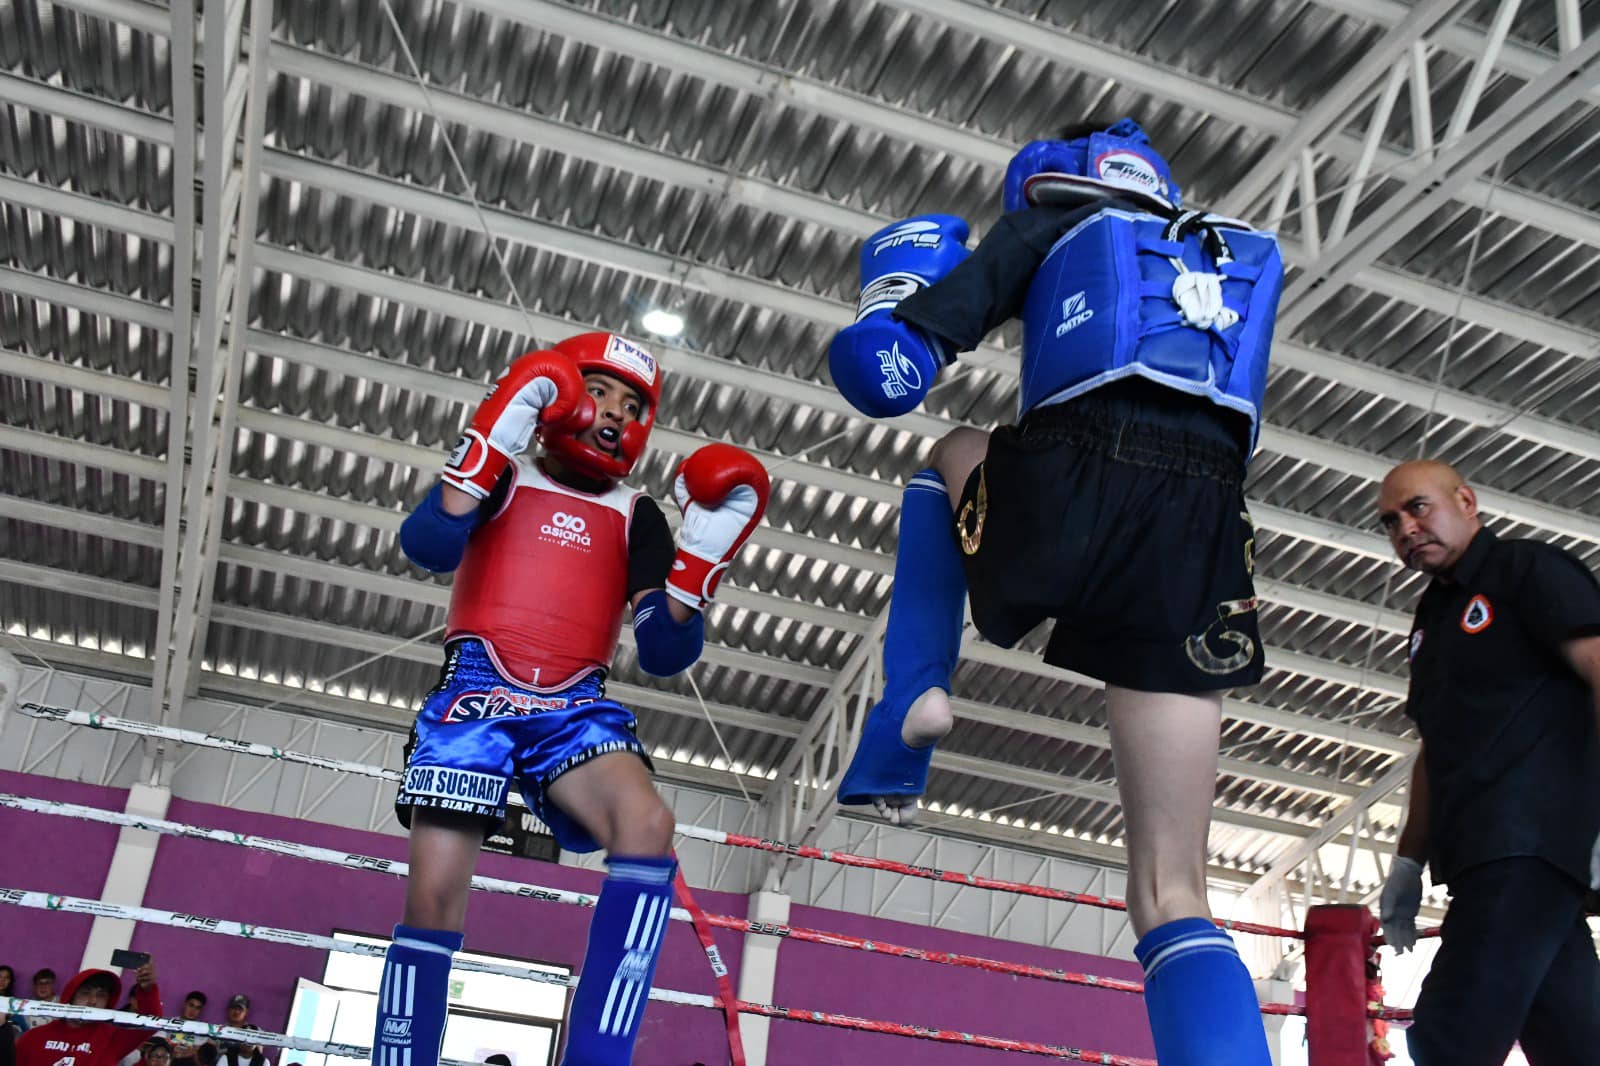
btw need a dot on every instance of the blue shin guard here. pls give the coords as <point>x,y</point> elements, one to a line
<point>920,645</point>
<point>1202,1005</point>
<point>414,997</point>
<point>625,936</point>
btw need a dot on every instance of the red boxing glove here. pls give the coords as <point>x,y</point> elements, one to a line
<point>540,388</point>
<point>722,491</point>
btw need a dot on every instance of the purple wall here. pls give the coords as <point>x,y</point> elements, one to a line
<point>216,880</point>
<point>34,858</point>
<point>201,877</point>
<point>815,977</point>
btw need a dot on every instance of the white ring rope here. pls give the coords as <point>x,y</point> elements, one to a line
<point>95,720</point>
<point>36,1008</point>
<point>348,859</point>
<point>225,927</point>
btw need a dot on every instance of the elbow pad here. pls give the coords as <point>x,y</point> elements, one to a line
<point>432,537</point>
<point>665,646</point>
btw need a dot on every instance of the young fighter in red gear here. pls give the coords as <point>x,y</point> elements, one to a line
<point>547,553</point>
<point>63,1042</point>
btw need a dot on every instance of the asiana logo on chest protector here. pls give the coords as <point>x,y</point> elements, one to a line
<point>570,529</point>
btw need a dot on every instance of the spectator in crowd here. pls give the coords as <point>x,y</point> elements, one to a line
<point>157,1052</point>
<point>241,1053</point>
<point>206,1054</point>
<point>79,1043</point>
<point>44,987</point>
<point>8,1046</point>
<point>8,979</point>
<point>238,1010</point>
<point>184,1044</point>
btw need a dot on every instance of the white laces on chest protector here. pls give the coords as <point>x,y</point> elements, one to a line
<point>1199,294</point>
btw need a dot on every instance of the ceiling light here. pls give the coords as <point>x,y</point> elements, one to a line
<point>662,323</point>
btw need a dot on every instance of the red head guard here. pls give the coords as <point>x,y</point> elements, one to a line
<point>606,353</point>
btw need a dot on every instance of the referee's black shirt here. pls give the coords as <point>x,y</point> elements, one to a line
<point>1508,727</point>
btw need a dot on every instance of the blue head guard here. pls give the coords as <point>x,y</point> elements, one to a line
<point>1116,162</point>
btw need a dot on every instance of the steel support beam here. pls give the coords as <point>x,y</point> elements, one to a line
<point>1494,315</point>
<point>1335,105</point>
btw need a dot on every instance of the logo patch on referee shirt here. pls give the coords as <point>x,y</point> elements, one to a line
<point>1477,616</point>
<point>1416,646</point>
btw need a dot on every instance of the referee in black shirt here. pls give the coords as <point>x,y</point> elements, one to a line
<point>1505,794</point>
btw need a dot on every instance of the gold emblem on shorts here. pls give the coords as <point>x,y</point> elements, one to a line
<point>1199,646</point>
<point>1249,544</point>
<point>973,513</point>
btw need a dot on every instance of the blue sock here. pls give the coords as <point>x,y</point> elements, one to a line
<point>1202,1005</point>
<point>414,997</point>
<point>625,937</point>
<point>923,637</point>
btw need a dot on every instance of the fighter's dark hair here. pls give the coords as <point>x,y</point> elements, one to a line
<point>1076,131</point>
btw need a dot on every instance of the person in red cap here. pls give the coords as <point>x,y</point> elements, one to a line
<point>68,1042</point>
<point>547,552</point>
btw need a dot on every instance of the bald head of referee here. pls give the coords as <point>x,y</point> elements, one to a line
<point>1430,514</point>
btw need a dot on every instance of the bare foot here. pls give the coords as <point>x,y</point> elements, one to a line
<point>927,722</point>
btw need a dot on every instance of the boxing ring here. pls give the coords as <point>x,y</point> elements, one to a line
<point>724,1001</point>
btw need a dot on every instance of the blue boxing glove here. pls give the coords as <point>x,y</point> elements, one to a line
<point>881,365</point>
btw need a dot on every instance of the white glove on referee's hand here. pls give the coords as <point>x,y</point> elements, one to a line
<point>1400,903</point>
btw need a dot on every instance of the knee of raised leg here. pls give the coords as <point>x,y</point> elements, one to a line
<point>961,448</point>
<point>428,908</point>
<point>651,835</point>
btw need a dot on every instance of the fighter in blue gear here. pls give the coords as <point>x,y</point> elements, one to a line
<point>1114,506</point>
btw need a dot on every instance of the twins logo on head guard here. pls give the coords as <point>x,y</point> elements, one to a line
<point>900,374</point>
<point>631,358</point>
<point>1118,161</point>
<point>1128,170</point>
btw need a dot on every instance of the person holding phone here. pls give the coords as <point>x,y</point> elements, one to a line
<point>68,1042</point>
<point>123,959</point>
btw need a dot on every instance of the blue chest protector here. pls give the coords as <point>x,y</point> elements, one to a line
<point>1105,305</point>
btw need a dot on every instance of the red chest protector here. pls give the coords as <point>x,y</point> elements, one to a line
<point>544,582</point>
